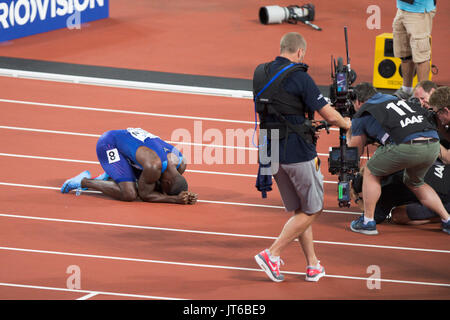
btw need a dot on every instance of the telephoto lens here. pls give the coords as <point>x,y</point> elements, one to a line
<point>291,14</point>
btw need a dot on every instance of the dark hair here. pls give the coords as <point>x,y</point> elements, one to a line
<point>426,85</point>
<point>179,184</point>
<point>364,91</point>
<point>440,98</point>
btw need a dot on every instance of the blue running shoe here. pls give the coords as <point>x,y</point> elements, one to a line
<point>75,182</point>
<point>446,226</point>
<point>358,225</point>
<point>104,176</point>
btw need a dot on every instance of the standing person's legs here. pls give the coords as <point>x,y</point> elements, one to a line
<point>408,68</point>
<point>371,193</point>
<point>296,227</point>
<point>402,49</point>
<point>419,26</point>
<point>379,165</point>
<point>301,188</point>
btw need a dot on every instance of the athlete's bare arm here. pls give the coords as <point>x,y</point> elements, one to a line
<point>146,187</point>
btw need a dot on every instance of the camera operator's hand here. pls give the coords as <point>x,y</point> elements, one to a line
<point>348,123</point>
<point>317,134</point>
<point>334,118</point>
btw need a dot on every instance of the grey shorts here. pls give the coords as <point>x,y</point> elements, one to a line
<point>301,186</point>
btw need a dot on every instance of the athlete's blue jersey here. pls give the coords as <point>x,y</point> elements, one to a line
<point>116,151</point>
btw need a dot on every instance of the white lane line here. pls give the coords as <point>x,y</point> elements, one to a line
<point>210,266</point>
<point>88,296</point>
<point>9,184</point>
<point>98,163</point>
<point>140,113</point>
<point>16,285</point>
<point>171,142</point>
<point>98,135</point>
<point>163,115</point>
<point>46,158</point>
<point>108,224</point>
<point>51,131</point>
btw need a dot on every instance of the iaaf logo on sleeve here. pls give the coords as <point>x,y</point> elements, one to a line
<point>21,12</point>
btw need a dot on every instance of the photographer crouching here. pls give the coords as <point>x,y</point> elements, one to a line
<point>408,143</point>
<point>400,203</point>
<point>440,104</point>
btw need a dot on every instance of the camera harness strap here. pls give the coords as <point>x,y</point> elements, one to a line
<point>305,130</point>
<point>260,92</point>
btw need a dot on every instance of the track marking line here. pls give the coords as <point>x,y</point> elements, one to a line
<point>200,200</point>
<point>210,266</point>
<point>141,113</point>
<point>98,163</point>
<point>109,224</point>
<point>15,285</point>
<point>98,135</point>
<point>88,296</point>
<point>171,142</point>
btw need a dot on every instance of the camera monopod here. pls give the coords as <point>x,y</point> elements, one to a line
<point>343,160</point>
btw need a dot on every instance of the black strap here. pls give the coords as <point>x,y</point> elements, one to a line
<point>286,102</point>
<point>412,1</point>
<point>305,130</point>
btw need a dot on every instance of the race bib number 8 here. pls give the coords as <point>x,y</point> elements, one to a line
<point>113,155</point>
<point>141,134</point>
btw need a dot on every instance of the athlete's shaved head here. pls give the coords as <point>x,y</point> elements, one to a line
<point>179,184</point>
<point>172,182</point>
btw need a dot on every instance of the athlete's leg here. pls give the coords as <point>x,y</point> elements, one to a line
<point>125,191</point>
<point>114,162</point>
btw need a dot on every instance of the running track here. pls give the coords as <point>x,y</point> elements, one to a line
<point>141,250</point>
<point>48,132</point>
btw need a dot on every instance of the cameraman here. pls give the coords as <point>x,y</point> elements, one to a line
<point>282,103</point>
<point>396,199</point>
<point>409,143</point>
<point>440,103</point>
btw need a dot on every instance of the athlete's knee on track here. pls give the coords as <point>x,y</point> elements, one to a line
<point>128,194</point>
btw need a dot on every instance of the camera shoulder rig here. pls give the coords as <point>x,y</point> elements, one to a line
<point>272,100</point>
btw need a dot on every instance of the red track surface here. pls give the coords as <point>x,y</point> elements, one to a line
<point>141,250</point>
<point>223,38</point>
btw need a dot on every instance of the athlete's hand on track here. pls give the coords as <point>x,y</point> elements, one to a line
<point>193,198</point>
<point>186,197</point>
